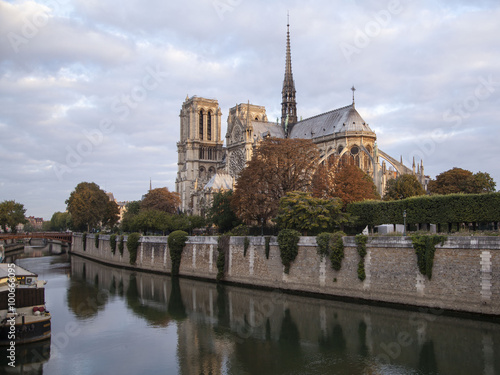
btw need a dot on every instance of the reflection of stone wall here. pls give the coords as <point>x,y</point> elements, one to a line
<point>466,272</point>
<point>254,330</point>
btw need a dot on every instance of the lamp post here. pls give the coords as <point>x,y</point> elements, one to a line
<point>262,226</point>
<point>404,223</point>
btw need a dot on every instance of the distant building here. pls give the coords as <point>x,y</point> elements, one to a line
<point>206,167</point>
<point>122,206</point>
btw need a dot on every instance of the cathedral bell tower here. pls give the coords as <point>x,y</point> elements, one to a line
<point>288,104</point>
<point>199,149</point>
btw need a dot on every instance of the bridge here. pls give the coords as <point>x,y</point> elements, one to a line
<point>57,236</point>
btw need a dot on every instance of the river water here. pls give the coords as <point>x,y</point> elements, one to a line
<point>107,320</point>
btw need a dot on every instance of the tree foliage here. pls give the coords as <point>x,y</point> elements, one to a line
<point>11,214</point>
<point>278,166</point>
<point>302,212</point>
<point>344,181</point>
<point>60,221</point>
<point>402,187</point>
<point>437,209</point>
<point>288,241</point>
<point>458,180</point>
<point>161,199</point>
<point>88,206</point>
<point>221,213</point>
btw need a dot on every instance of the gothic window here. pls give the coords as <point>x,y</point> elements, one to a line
<point>209,126</point>
<point>201,124</point>
<point>202,173</point>
<point>211,172</point>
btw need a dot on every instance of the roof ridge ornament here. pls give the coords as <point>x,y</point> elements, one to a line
<point>353,89</point>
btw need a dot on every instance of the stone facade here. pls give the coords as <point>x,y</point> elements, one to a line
<point>466,272</point>
<point>340,134</point>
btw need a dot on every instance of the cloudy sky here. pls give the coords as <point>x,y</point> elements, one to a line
<point>91,90</point>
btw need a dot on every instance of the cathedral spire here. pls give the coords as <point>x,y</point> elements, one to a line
<point>288,104</point>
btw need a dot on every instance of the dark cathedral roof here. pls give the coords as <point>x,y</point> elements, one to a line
<point>345,119</point>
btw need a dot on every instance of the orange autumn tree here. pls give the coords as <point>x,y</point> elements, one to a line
<point>161,199</point>
<point>278,166</point>
<point>343,180</point>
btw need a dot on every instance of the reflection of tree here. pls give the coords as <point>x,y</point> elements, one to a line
<point>335,341</point>
<point>363,348</point>
<point>427,362</point>
<point>176,307</point>
<point>85,300</point>
<point>222,309</point>
<point>271,357</point>
<point>155,316</point>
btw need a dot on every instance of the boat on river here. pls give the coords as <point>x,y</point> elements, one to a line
<point>23,315</point>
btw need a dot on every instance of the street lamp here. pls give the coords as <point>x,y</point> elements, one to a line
<point>262,226</point>
<point>404,220</point>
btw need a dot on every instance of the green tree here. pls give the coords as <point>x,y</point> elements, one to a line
<point>161,199</point>
<point>458,180</point>
<point>87,205</point>
<point>402,187</point>
<point>60,221</point>
<point>11,214</point>
<point>152,220</point>
<point>221,213</point>
<point>302,212</point>
<point>132,209</point>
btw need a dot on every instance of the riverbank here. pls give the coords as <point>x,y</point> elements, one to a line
<point>465,278</point>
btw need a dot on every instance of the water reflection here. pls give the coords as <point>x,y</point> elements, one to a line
<point>226,329</point>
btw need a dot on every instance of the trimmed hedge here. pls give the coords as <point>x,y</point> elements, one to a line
<point>425,247</point>
<point>176,242</point>
<point>437,209</point>
<point>84,241</point>
<point>223,249</point>
<point>132,245</point>
<point>361,241</point>
<point>288,241</point>
<point>112,243</point>
<point>120,245</point>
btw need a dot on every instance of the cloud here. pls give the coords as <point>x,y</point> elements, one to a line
<point>72,69</point>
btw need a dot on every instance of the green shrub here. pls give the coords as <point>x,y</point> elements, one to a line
<point>84,241</point>
<point>96,239</point>
<point>120,245</point>
<point>132,245</point>
<point>288,241</point>
<point>223,248</point>
<point>331,245</point>
<point>425,247</point>
<point>246,245</point>
<point>176,243</point>
<point>240,231</point>
<point>112,243</point>
<point>361,241</point>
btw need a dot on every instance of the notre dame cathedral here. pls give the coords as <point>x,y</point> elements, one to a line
<point>205,166</point>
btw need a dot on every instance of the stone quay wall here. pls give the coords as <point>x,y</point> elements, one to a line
<point>465,275</point>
